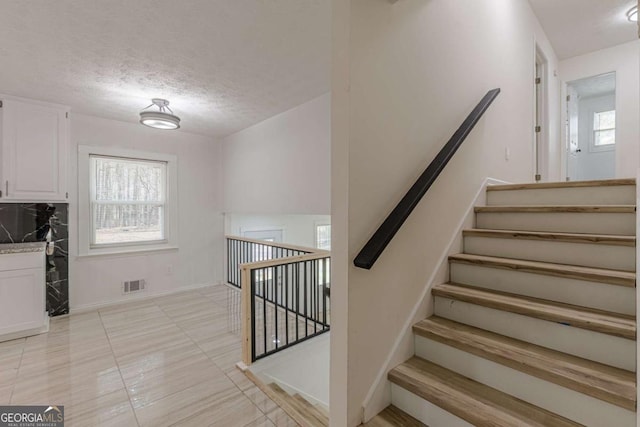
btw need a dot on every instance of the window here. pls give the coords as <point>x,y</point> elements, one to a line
<point>127,201</point>
<point>604,128</point>
<point>323,236</point>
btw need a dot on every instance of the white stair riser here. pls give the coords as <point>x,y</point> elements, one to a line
<point>611,195</point>
<point>617,299</point>
<point>557,399</point>
<point>424,410</point>
<point>603,348</point>
<point>563,222</point>
<point>584,254</point>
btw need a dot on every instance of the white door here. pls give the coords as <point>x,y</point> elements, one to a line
<point>572,134</point>
<point>34,151</point>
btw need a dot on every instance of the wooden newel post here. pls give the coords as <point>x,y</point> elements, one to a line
<point>245,283</point>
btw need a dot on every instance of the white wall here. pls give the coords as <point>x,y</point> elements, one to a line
<point>281,165</point>
<point>594,164</point>
<point>405,75</point>
<point>296,229</point>
<point>97,280</point>
<point>624,60</point>
<point>302,368</point>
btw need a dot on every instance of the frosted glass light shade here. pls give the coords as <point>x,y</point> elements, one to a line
<point>159,120</point>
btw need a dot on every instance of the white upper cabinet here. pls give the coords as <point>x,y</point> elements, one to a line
<point>34,151</point>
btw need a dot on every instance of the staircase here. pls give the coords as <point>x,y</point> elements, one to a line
<point>536,326</point>
<point>301,410</point>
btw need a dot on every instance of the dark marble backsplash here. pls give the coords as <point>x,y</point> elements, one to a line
<point>32,222</point>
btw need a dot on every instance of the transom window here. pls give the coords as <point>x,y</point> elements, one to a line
<point>128,198</point>
<point>604,128</point>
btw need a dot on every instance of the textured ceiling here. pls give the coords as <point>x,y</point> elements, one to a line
<point>595,86</point>
<point>575,27</point>
<point>223,64</point>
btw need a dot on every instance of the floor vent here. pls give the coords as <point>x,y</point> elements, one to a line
<point>132,286</point>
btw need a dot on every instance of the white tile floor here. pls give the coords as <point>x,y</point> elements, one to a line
<point>158,362</point>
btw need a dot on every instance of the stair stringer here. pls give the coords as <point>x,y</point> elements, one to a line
<point>379,395</point>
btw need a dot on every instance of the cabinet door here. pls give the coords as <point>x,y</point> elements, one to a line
<point>34,151</point>
<point>22,300</point>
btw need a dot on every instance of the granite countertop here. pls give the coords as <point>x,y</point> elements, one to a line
<point>16,248</point>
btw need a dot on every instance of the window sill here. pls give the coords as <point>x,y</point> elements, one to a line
<point>602,149</point>
<point>123,252</point>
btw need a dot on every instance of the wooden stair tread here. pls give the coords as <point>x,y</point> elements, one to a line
<point>393,417</point>
<point>557,237</point>
<point>571,315</point>
<point>298,410</point>
<point>557,209</point>
<point>612,277</point>
<point>475,403</point>
<point>613,385</point>
<point>562,184</point>
<point>313,410</point>
<point>324,411</point>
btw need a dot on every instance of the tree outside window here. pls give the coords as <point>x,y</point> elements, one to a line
<point>128,198</point>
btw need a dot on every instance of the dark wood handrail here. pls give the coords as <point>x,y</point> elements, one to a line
<point>383,235</point>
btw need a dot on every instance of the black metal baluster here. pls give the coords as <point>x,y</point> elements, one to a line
<point>264,309</point>
<point>236,259</point>
<point>314,284</point>
<point>286,303</point>
<point>253,315</point>
<point>236,256</point>
<point>275,305</point>
<point>327,299</point>
<point>235,264</point>
<point>297,282</point>
<point>304,288</point>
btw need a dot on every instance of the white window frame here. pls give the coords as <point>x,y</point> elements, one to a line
<point>85,217</point>
<point>592,143</point>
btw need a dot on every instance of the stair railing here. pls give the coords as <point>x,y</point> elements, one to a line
<point>284,294</point>
<point>367,257</point>
<point>241,250</point>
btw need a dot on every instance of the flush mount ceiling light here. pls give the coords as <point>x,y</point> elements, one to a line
<point>160,119</point>
<point>632,14</point>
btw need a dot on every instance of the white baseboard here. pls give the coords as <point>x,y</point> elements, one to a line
<point>379,395</point>
<point>84,308</point>
<point>29,332</point>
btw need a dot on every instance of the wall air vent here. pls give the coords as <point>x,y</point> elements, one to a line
<point>132,286</point>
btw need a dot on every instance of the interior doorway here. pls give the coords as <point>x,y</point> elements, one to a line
<point>591,128</point>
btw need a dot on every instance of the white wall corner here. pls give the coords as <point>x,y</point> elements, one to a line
<point>379,395</point>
